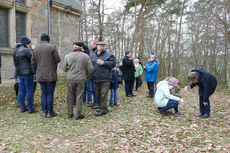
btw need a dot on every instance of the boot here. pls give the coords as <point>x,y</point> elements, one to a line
<point>100,113</point>
<point>32,111</point>
<point>23,110</point>
<point>70,115</point>
<point>51,114</point>
<point>44,113</point>
<point>80,117</point>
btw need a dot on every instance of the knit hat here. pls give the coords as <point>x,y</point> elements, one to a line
<point>85,47</point>
<point>152,53</point>
<point>173,81</point>
<point>25,40</point>
<point>45,37</point>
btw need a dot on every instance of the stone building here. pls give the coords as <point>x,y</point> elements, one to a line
<point>59,18</point>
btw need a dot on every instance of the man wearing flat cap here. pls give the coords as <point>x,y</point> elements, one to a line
<point>103,62</point>
<point>78,66</point>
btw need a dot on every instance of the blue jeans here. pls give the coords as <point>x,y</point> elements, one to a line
<point>129,87</point>
<point>113,96</point>
<point>47,96</point>
<point>26,89</point>
<point>171,104</point>
<point>89,90</point>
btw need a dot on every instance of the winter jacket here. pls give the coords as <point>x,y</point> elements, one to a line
<point>103,73</point>
<point>207,83</point>
<point>162,95</point>
<point>22,60</point>
<point>114,84</point>
<point>151,71</point>
<point>128,69</point>
<point>139,71</point>
<point>78,65</point>
<point>0,68</point>
<point>45,59</point>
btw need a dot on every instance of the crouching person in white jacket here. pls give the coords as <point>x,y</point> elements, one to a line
<point>164,100</point>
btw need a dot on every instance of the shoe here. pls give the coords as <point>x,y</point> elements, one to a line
<point>164,113</point>
<point>91,105</point>
<point>70,115</point>
<point>116,104</point>
<point>129,96</point>
<point>160,111</point>
<point>200,115</point>
<point>133,95</point>
<point>111,105</point>
<point>100,113</point>
<point>44,113</point>
<point>80,117</point>
<point>32,111</point>
<point>149,96</point>
<point>51,114</point>
<point>178,114</point>
<point>23,110</point>
<point>205,116</point>
<point>95,107</point>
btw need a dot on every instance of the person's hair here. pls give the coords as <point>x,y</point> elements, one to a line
<point>192,76</point>
<point>126,53</point>
<point>45,37</point>
<point>136,60</point>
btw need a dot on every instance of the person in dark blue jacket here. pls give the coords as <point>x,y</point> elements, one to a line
<point>207,85</point>
<point>103,62</point>
<point>151,69</point>
<point>114,84</point>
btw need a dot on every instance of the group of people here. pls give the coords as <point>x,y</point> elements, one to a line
<point>93,72</point>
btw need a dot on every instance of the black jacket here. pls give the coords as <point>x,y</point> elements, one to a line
<point>128,69</point>
<point>207,83</point>
<point>103,73</point>
<point>22,60</point>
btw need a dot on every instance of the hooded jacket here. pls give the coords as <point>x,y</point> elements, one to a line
<point>151,71</point>
<point>163,95</point>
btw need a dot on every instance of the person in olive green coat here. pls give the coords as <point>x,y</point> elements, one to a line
<point>138,73</point>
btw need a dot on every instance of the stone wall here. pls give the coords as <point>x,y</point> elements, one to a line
<point>64,31</point>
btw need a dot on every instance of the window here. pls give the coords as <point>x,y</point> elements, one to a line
<point>4,30</point>
<point>21,1</point>
<point>20,25</point>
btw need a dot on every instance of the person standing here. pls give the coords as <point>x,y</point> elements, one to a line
<point>128,73</point>
<point>103,62</point>
<point>0,68</point>
<point>114,84</point>
<point>151,69</point>
<point>45,59</point>
<point>138,73</point>
<point>78,66</point>
<point>22,62</point>
<point>207,85</point>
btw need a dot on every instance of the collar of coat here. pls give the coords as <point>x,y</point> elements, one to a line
<point>77,50</point>
<point>99,54</point>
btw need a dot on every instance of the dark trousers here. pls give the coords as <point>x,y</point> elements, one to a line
<point>171,104</point>
<point>204,109</point>
<point>75,90</point>
<point>47,96</point>
<point>129,87</point>
<point>102,90</point>
<point>26,89</point>
<point>138,83</point>
<point>151,88</point>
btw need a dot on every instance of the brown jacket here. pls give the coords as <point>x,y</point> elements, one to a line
<point>77,65</point>
<point>45,59</point>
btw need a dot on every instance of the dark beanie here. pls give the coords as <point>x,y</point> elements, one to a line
<point>45,37</point>
<point>85,47</point>
<point>25,40</point>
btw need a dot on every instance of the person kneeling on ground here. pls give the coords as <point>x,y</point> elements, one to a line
<point>207,85</point>
<point>164,100</point>
<point>78,65</point>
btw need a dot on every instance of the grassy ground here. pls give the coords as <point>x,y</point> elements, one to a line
<point>134,126</point>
